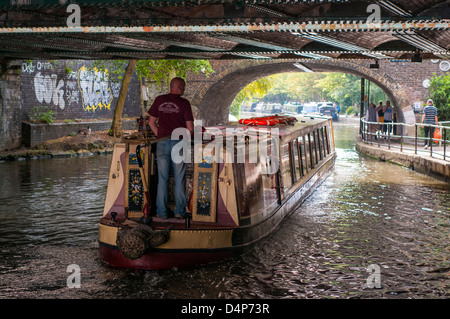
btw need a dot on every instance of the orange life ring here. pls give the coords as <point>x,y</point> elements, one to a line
<point>259,121</point>
<point>268,120</point>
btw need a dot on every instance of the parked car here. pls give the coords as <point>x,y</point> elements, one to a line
<point>327,108</point>
<point>324,104</point>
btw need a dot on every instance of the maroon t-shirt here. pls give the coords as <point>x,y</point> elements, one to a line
<point>172,112</point>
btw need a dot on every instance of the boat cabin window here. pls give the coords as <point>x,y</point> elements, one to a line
<point>286,170</point>
<point>301,154</point>
<point>312,149</point>
<point>295,160</point>
<point>326,140</point>
<point>300,159</point>
<point>323,142</point>
<point>256,191</point>
<point>316,146</point>
<point>319,145</point>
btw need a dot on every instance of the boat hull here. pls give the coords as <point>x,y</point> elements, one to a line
<point>192,247</point>
<point>162,259</point>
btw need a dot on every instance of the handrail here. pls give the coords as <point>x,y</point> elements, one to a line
<point>145,141</point>
<point>375,132</point>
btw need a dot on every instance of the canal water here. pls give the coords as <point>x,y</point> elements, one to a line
<point>371,230</point>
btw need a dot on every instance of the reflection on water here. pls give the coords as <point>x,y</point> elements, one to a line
<point>47,202</point>
<point>367,212</point>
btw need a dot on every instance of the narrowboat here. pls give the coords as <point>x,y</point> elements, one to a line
<point>242,179</point>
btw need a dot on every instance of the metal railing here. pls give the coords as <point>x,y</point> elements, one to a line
<point>393,135</point>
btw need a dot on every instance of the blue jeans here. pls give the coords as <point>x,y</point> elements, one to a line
<point>164,159</point>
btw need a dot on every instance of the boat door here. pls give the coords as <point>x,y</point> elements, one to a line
<point>134,187</point>
<point>204,206</point>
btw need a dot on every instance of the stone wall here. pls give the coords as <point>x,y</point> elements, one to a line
<point>417,162</point>
<point>34,134</point>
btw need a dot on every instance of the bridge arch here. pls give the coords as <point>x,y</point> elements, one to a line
<point>215,97</point>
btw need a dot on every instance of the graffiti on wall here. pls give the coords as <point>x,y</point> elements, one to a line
<point>49,90</point>
<point>72,91</point>
<point>46,87</point>
<point>87,87</point>
<point>94,88</point>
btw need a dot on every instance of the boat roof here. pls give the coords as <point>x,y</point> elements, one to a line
<point>285,131</point>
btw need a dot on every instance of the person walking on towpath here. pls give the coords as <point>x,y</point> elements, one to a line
<point>429,117</point>
<point>380,109</point>
<point>372,116</point>
<point>387,118</point>
<point>172,111</point>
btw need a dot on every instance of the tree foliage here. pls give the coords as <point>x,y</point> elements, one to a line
<point>162,71</point>
<point>159,71</point>
<point>439,92</point>
<point>294,87</point>
<point>345,89</point>
<point>254,90</point>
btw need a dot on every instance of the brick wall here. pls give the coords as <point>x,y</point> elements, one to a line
<point>73,91</point>
<point>10,110</point>
<point>68,88</point>
<point>413,76</point>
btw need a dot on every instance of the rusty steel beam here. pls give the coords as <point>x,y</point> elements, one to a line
<point>154,3</point>
<point>323,26</point>
<point>308,54</point>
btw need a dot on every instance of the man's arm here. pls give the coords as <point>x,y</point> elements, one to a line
<point>152,124</point>
<point>190,126</point>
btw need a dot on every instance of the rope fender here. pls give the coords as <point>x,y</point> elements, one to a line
<point>134,242</point>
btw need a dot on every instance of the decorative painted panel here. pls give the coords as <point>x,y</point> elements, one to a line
<point>205,189</point>
<point>134,190</point>
<point>204,193</point>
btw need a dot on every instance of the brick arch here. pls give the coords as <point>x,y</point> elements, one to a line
<point>394,90</point>
<point>214,98</point>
